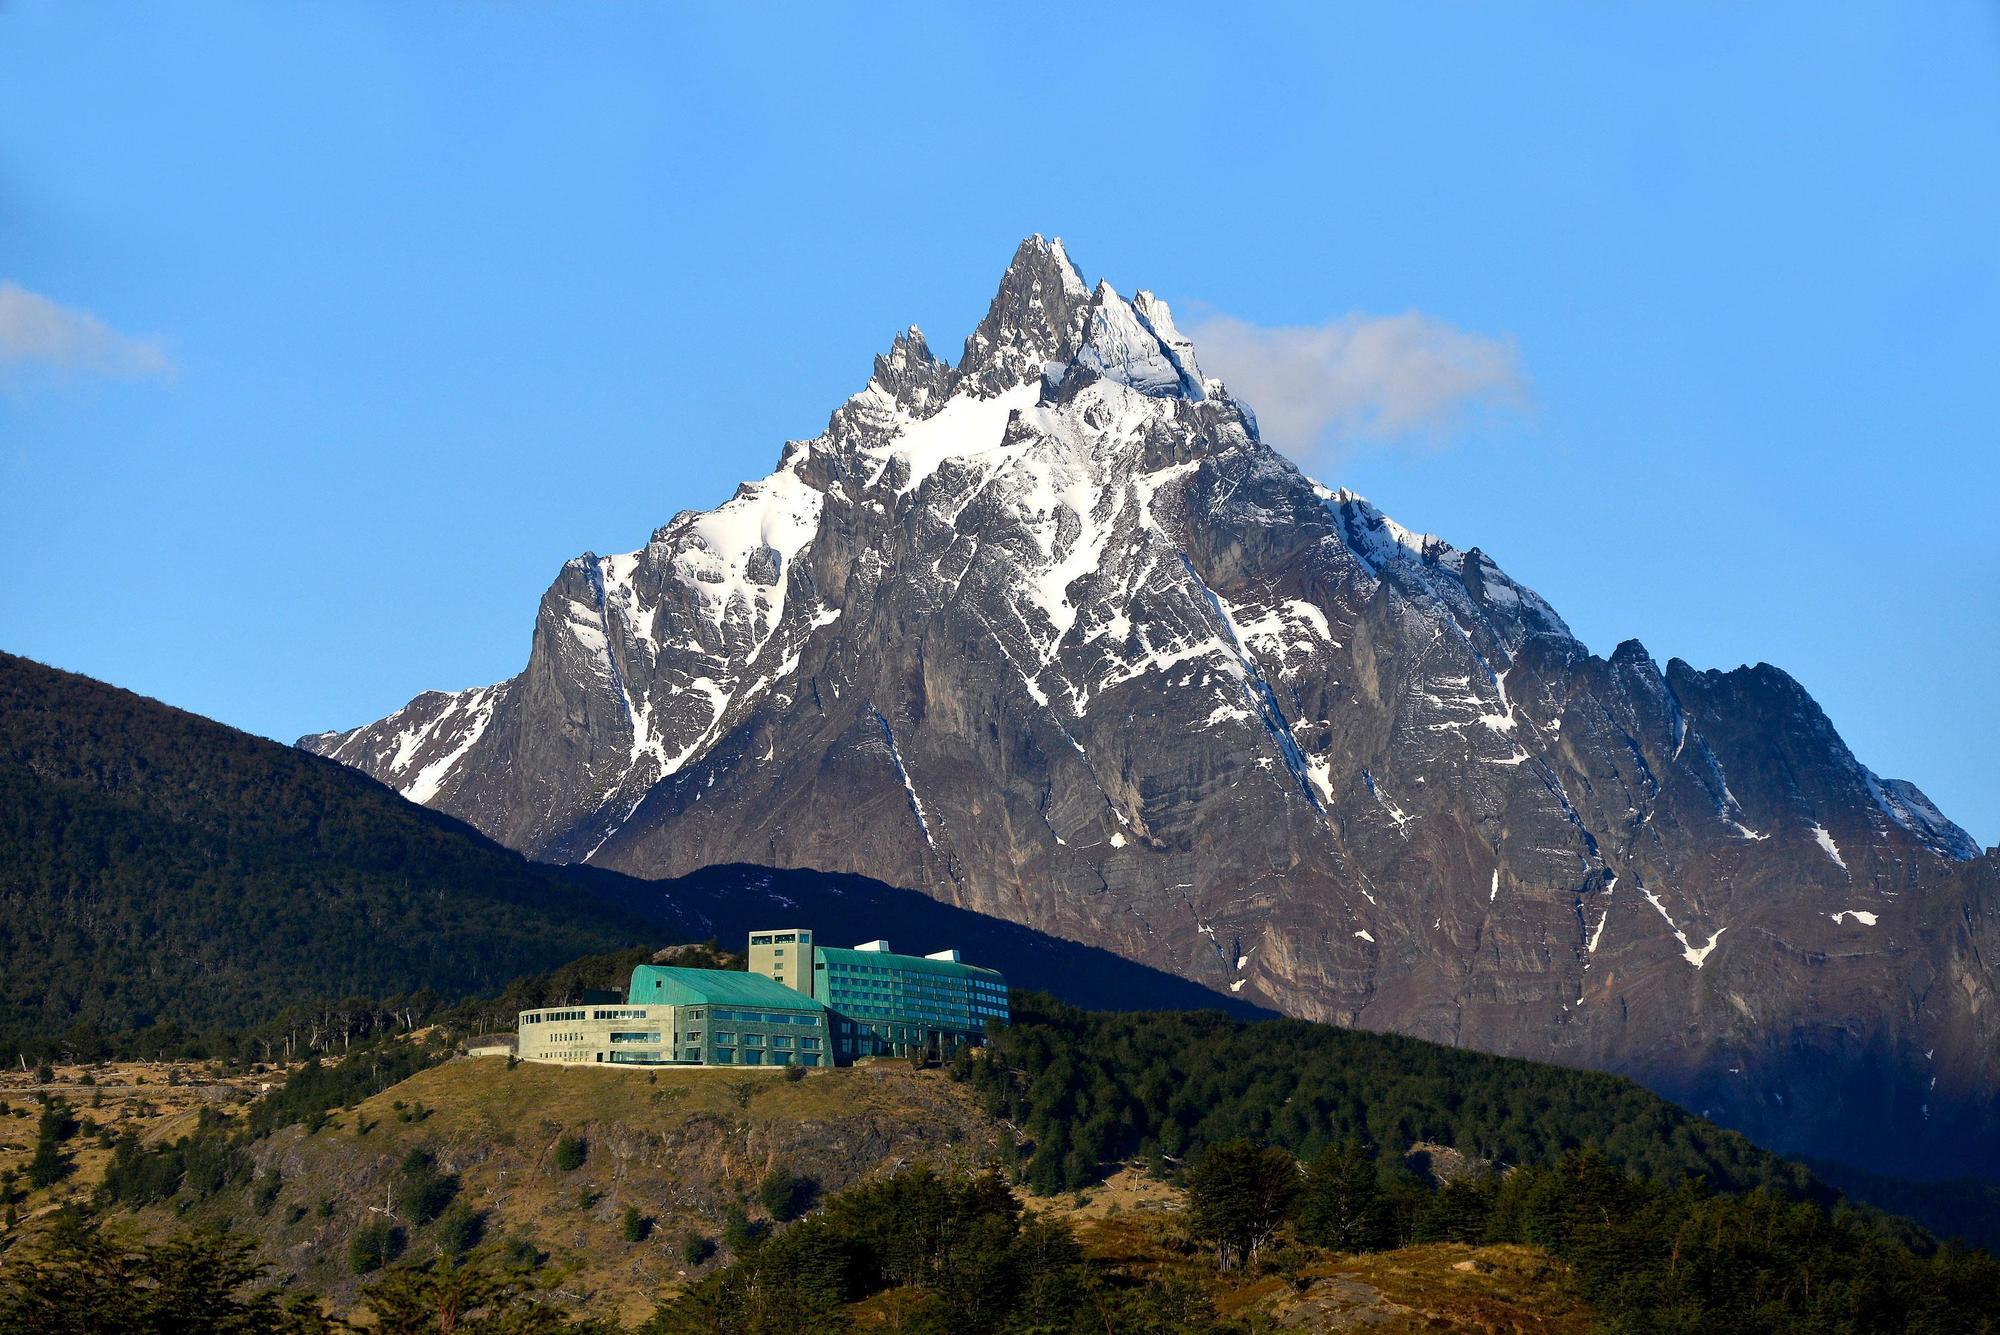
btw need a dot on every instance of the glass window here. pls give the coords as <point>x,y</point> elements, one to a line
<point>781,1042</point>
<point>808,1045</point>
<point>721,1036</point>
<point>753,1058</point>
<point>808,1059</point>
<point>725,1056</point>
<point>753,1040</point>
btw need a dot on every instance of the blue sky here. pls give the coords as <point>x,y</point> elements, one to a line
<point>328,332</point>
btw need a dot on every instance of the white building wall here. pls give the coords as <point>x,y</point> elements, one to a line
<point>596,1035</point>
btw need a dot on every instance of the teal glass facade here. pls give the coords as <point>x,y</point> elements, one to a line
<point>887,1004</point>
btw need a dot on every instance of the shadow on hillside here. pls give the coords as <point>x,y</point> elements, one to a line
<point>728,902</point>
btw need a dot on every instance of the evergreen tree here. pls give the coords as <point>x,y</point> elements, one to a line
<point>479,1294</point>
<point>78,1281</point>
<point>51,1163</point>
<point>1238,1194</point>
<point>1340,1199</point>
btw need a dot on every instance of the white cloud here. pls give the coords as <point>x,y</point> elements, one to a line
<point>1361,380</point>
<point>37,332</point>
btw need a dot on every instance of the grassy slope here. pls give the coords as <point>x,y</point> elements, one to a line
<point>681,1147</point>
<point>685,1146</point>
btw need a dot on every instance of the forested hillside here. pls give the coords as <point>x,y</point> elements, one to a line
<point>167,883</point>
<point>158,868</point>
<point>1090,1089</point>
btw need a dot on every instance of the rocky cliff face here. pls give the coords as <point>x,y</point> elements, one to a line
<point>1052,635</point>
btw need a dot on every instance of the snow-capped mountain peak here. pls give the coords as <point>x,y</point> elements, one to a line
<point>1052,634</point>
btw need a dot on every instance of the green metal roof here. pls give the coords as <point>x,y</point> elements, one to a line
<point>907,963</point>
<point>663,985</point>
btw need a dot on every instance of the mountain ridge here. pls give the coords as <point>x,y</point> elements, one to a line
<point>1053,635</point>
<point>161,869</point>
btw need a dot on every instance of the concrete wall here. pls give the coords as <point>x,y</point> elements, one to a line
<point>596,1035</point>
<point>784,954</point>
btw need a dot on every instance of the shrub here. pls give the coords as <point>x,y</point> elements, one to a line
<point>696,1247</point>
<point>636,1225</point>
<point>265,1194</point>
<point>522,1253</point>
<point>373,1246</point>
<point>50,1164</point>
<point>571,1151</point>
<point>739,1233</point>
<point>459,1229</point>
<point>784,1194</point>
<point>425,1192</point>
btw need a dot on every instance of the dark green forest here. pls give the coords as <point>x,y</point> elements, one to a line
<point>157,869</point>
<point>1093,1088</point>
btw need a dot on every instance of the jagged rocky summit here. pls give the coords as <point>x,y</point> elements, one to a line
<point>1053,635</point>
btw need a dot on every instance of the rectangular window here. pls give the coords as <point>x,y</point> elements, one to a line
<point>808,1059</point>
<point>781,1042</point>
<point>725,1056</point>
<point>808,1045</point>
<point>753,1040</point>
<point>721,1036</point>
<point>753,1058</point>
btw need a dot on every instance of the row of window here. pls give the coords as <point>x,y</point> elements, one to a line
<point>872,1009</point>
<point>910,984</point>
<point>919,976</point>
<point>766,1017</point>
<point>754,1057</point>
<point>778,1042</point>
<point>553,1017</point>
